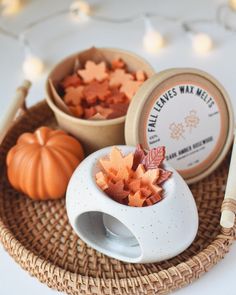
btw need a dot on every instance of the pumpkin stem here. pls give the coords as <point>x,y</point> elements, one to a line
<point>41,134</point>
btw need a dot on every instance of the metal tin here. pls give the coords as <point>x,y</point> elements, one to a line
<point>189,112</point>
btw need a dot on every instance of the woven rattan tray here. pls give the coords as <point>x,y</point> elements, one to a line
<point>38,236</point>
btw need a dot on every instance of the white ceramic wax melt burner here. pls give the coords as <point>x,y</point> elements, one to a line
<point>131,234</point>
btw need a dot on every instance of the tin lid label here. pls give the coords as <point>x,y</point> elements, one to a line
<point>186,112</point>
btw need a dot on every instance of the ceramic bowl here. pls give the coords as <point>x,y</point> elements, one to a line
<point>131,234</point>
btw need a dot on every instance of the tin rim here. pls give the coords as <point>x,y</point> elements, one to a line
<point>139,101</point>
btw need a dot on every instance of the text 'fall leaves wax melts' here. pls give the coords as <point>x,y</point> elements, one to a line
<point>189,112</point>
<point>135,179</point>
<point>101,91</point>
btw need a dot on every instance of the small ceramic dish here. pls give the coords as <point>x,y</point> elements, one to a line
<point>131,234</point>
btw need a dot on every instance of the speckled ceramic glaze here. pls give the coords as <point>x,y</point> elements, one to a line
<point>138,235</point>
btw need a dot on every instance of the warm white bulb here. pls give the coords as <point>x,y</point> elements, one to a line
<point>202,43</point>
<point>232,4</point>
<point>11,6</point>
<point>153,41</point>
<point>32,67</point>
<point>82,7</point>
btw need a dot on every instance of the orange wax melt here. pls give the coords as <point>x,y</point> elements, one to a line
<point>136,179</point>
<point>84,92</point>
<point>101,91</point>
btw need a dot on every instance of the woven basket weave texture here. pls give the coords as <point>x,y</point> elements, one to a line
<point>38,236</point>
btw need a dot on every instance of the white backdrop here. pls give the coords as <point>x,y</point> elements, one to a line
<point>59,37</point>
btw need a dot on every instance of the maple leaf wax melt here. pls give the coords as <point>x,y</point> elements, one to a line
<point>101,91</point>
<point>198,135</point>
<point>124,203</point>
<point>136,179</point>
<point>84,90</point>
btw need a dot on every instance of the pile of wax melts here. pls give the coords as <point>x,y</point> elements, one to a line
<point>136,179</point>
<point>101,91</point>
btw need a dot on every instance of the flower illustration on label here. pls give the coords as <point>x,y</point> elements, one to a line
<point>177,131</point>
<point>192,120</point>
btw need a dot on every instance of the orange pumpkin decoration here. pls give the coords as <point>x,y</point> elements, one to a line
<point>41,163</point>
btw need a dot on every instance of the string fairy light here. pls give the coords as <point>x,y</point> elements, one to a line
<point>80,10</point>
<point>232,4</point>
<point>80,7</point>
<point>10,7</point>
<point>153,40</point>
<point>32,67</point>
<point>202,43</point>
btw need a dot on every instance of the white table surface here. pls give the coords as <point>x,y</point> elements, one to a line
<point>62,36</point>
